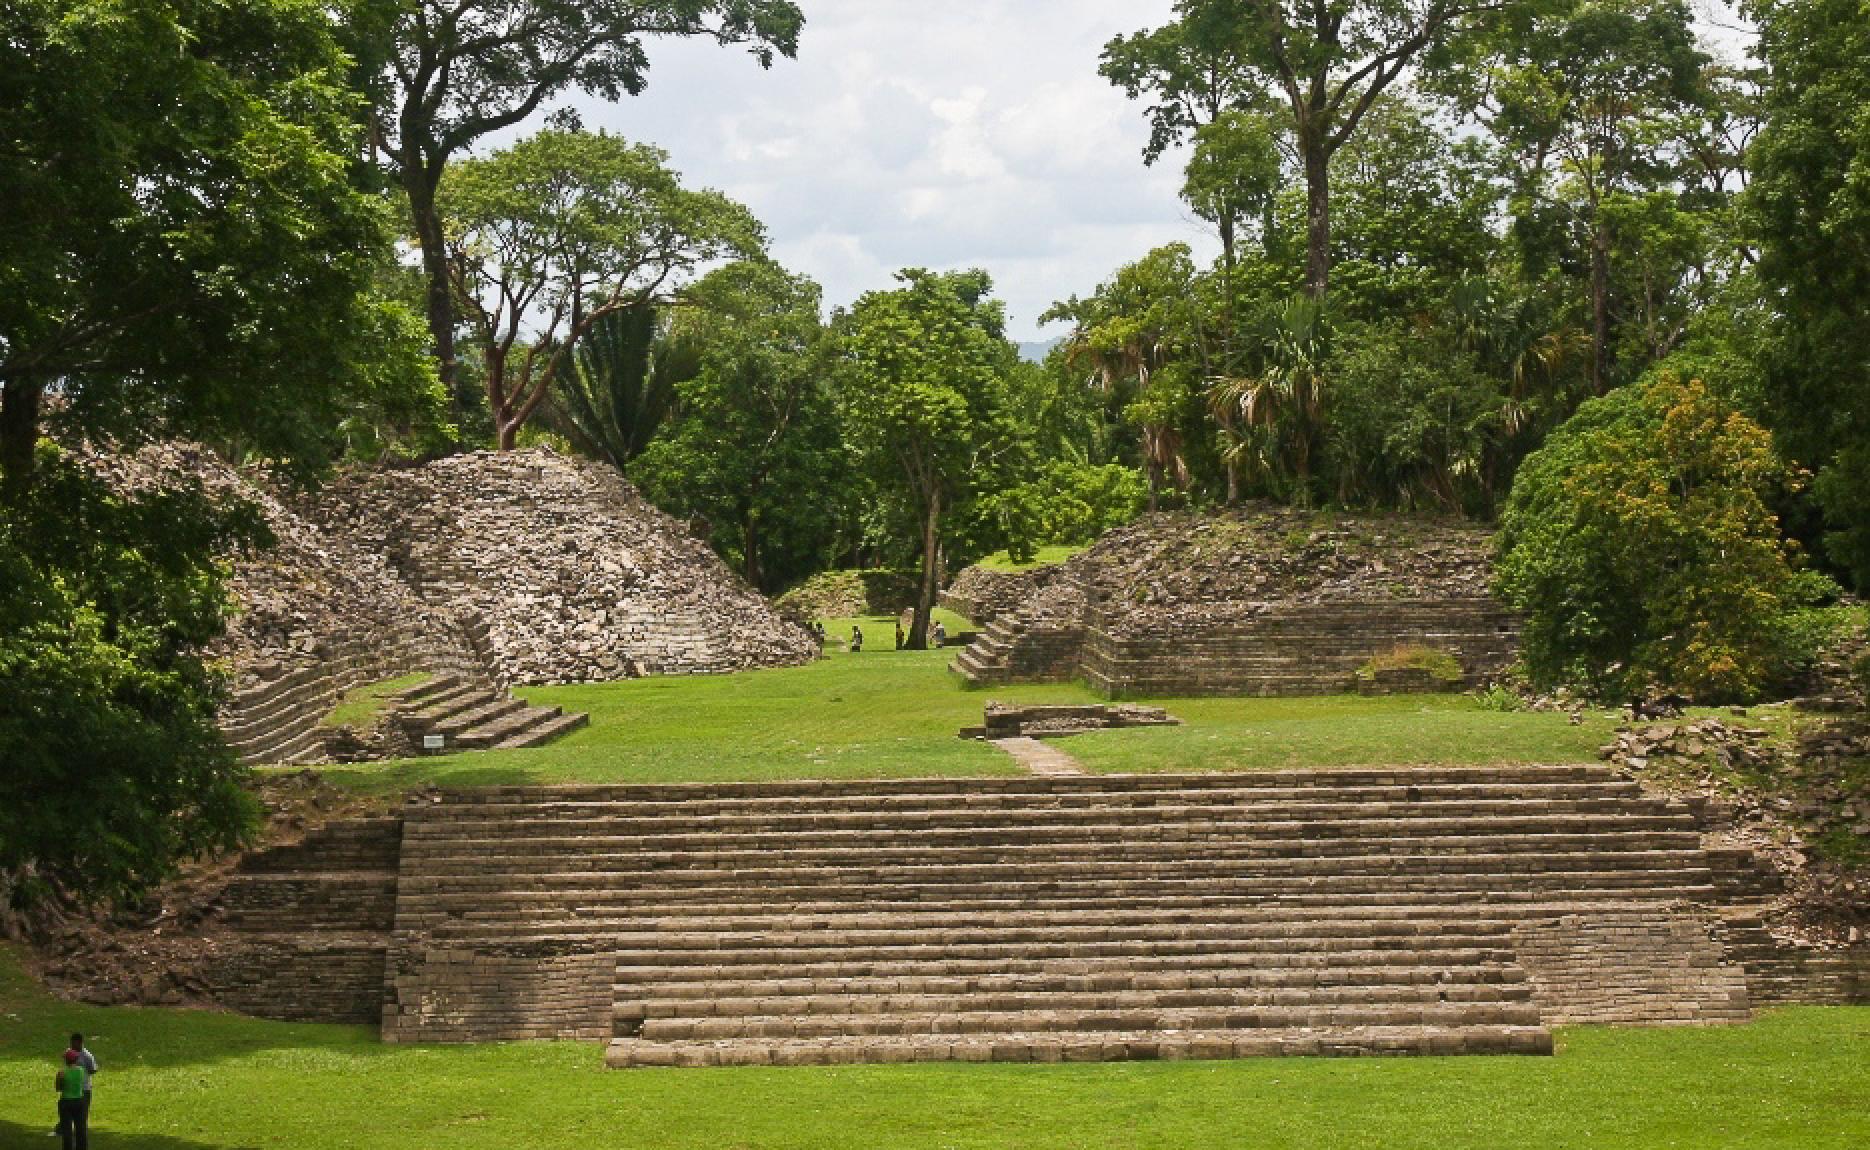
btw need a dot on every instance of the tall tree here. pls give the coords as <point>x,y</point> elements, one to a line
<point>549,236</point>
<point>621,385</point>
<point>450,73</point>
<point>753,448</point>
<point>1585,96</point>
<point>1324,61</point>
<point>185,246</point>
<point>184,249</point>
<point>1810,206</point>
<point>923,371</point>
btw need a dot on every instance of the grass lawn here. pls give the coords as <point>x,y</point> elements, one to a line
<point>884,713</point>
<point>179,1080</point>
<point>364,705</point>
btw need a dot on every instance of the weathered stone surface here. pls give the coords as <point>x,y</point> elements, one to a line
<point>1257,601</point>
<point>578,578</point>
<point>981,596</point>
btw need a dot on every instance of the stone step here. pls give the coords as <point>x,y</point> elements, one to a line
<point>1316,817</point>
<point>439,708</point>
<point>1298,836</point>
<point>474,717</point>
<point>1105,1046</point>
<point>665,990</point>
<point>757,910</point>
<point>1089,1021</point>
<point>635,1016</point>
<point>545,732</point>
<point>434,687</point>
<point>511,725</point>
<point>1403,858</point>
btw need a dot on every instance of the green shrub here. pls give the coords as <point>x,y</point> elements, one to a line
<point>1640,544</point>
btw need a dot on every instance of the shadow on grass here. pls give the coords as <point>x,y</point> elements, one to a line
<point>14,1136</point>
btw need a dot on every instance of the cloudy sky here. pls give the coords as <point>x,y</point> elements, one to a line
<point>966,133</point>
<point>962,133</point>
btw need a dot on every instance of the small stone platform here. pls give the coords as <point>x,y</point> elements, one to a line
<point>1006,721</point>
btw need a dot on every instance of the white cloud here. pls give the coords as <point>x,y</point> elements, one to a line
<point>973,133</point>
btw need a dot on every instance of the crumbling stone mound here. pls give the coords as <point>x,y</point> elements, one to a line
<point>1192,569</point>
<point>847,594</point>
<point>1259,600</point>
<point>315,614</point>
<point>577,577</point>
<point>982,595</point>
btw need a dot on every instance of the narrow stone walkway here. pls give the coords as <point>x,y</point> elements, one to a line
<point>1042,759</point>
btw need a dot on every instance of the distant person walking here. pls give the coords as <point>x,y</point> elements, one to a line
<point>857,638</point>
<point>941,635</point>
<point>72,1127</point>
<point>87,1062</point>
<point>899,634</point>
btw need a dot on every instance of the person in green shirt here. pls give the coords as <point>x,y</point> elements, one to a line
<point>72,1127</point>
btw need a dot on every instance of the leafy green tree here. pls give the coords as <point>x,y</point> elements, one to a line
<point>549,236</point>
<point>1324,62</point>
<point>922,372</point>
<point>753,449</point>
<point>1586,99</point>
<point>1641,545</point>
<point>111,766</point>
<point>1809,205</point>
<point>448,74</point>
<point>1140,336</point>
<point>1233,174</point>
<point>185,246</point>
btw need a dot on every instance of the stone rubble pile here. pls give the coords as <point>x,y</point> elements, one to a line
<point>1688,744</point>
<point>301,602</point>
<point>576,576</point>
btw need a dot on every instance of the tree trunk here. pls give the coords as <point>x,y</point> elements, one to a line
<point>750,549</point>
<point>1317,218</point>
<point>1600,308</point>
<point>1233,483</point>
<point>439,297</point>
<point>19,438</point>
<point>931,558</point>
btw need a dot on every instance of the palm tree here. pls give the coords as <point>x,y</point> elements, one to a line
<point>622,386</point>
<point>1274,416</point>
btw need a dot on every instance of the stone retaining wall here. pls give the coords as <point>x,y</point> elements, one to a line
<point>981,596</point>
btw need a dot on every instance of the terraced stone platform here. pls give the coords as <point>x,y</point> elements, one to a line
<point>1050,919</point>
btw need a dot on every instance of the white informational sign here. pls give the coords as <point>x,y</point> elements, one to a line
<point>434,742</point>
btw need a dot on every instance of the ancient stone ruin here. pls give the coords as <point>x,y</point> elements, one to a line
<point>483,571</point>
<point>1011,721</point>
<point>1345,911</point>
<point>1260,601</point>
<point>576,577</point>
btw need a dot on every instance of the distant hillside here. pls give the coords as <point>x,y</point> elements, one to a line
<point>1036,352</point>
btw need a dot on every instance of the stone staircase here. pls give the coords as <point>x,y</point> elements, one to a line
<point>1051,919</point>
<point>451,713</point>
<point>1013,649</point>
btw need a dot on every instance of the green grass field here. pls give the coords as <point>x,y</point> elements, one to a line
<point>884,713</point>
<point>1048,556</point>
<point>180,1080</point>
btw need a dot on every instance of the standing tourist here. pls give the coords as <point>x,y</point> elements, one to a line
<point>87,1062</point>
<point>857,638</point>
<point>69,1083</point>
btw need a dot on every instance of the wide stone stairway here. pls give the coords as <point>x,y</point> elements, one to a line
<point>1049,919</point>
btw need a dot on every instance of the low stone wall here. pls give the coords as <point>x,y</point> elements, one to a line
<point>305,929</point>
<point>1296,649</point>
<point>1628,969</point>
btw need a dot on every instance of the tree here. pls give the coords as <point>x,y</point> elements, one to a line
<point>1809,205</point>
<point>922,371</point>
<point>446,75</point>
<point>186,247</point>
<point>1585,96</point>
<point>1640,543</point>
<point>1233,174</point>
<point>111,766</point>
<point>621,386</point>
<point>753,448</point>
<point>549,236</point>
<point>1325,62</point>
<point>1142,331</point>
